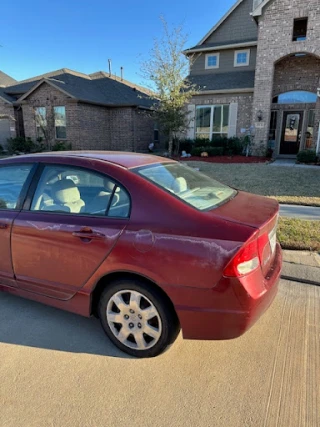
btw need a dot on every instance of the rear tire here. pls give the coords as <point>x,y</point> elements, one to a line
<point>137,318</point>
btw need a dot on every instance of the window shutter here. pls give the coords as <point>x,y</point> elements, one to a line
<point>192,120</point>
<point>233,118</point>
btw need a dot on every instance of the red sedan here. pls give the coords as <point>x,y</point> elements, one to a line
<point>145,243</point>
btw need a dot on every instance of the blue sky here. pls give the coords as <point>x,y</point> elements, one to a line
<point>38,36</point>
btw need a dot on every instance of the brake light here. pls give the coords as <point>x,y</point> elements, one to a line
<point>249,257</point>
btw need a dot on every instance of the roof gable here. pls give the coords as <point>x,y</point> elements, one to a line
<point>6,80</point>
<point>98,89</point>
<point>236,24</point>
<point>40,83</point>
<point>258,6</point>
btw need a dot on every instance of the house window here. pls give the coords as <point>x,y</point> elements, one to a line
<point>156,133</point>
<point>241,58</point>
<point>295,97</point>
<point>273,130</point>
<point>212,121</point>
<point>41,121</point>
<point>212,61</point>
<point>60,122</point>
<point>300,27</point>
<point>310,129</point>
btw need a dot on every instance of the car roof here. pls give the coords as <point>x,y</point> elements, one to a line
<point>121,158</point>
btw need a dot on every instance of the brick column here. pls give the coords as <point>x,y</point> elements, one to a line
<point>262,102</point>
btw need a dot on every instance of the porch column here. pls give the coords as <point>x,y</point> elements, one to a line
<point>316,123</point>
<point>262,102</point>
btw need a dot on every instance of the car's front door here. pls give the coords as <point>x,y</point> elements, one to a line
<point>70,228</point>
<point>13,184</point>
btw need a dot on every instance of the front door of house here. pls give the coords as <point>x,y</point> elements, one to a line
<point>291,132</point>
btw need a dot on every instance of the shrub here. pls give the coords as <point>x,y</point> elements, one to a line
<point>39,145</point>
<point>212,151</point>
<point>20,145</point>
<point>202,142</point>
<point>219,141</point>
<point>1,149</point>
<point>307,156</point>
<point>184,145</point>
<point>234,146</point>
<point>196,151</point>
<point>61,146</point>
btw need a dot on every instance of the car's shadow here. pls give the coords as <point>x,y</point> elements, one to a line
<point>28,323</point>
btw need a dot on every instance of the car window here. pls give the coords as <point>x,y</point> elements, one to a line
<point>12,179</point>
<point>72,190</point>
<point>187,184</point>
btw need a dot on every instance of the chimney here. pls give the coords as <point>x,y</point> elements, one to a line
<point>121,73</point>
<point>110,69</point>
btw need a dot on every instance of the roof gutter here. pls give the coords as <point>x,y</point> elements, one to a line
<point>100,104</point>
<point>224,91</point>
<point>222,47</point>
<point>6,100</point>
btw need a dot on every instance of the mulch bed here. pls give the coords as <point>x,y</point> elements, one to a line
<point>226,159</point>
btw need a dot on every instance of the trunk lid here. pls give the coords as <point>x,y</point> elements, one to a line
<point>258,212</point>
<point>248,209</point>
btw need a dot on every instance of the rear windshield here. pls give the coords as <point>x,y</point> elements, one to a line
<point>188,184</point>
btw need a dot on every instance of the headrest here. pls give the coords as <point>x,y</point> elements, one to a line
<point>180,185</point>
<point>108,185</point>
<point>65,191</point>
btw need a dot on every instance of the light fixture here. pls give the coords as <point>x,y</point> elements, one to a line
<point>318,92</point>
<point>259,115</point>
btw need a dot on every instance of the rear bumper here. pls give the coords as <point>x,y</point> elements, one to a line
<point>219,323</point>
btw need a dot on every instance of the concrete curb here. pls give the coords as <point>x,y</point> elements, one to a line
<point>296,279</point>
<point>301,267</point>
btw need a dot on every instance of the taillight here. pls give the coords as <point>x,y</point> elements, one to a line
<point>249,257</point>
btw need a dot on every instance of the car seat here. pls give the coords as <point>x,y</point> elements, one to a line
<point>66,197</point>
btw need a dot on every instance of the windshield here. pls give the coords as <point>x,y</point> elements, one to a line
<point>188,184</point>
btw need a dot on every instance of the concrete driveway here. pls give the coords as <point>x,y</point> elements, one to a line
<point>58,369</point>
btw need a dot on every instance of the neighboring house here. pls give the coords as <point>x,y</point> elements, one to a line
<point>7,121</point>
<point>95,111</point>
<point>260,66</point>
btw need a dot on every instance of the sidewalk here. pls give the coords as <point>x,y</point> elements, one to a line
<point>301,266</point>
<point>292,163</point>
<point>302,212</point>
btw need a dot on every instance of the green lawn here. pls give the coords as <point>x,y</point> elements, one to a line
<point>298,234</point>
<point>286,184</point>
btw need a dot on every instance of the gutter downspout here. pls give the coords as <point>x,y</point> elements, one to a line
<point>318,142</point>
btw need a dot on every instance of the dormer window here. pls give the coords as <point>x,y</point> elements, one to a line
<point>241,58</point>
<point>212,60</point>
<point>300,28</point>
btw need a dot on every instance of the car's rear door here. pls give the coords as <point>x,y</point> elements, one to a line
<point>14,182</point>
<point>56,251</point>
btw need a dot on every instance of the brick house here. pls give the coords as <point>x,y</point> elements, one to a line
<point>95,111</point>
<point>259,67</point>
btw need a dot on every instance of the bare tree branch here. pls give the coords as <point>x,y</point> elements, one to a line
<point>166,71</point>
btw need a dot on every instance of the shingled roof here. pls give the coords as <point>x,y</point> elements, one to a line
<point>98,88</point>
<point>224,81</point>
<point>6,80</point>
<point>5,96</point>
<point>221,45</point>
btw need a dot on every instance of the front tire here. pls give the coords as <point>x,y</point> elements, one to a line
<point>137,318</point>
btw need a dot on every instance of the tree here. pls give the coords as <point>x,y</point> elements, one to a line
<point>45,123</point>
<point>165,73</point>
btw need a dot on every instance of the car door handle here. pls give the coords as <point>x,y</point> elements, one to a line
<point>88,234</point>
<point>3,226</point>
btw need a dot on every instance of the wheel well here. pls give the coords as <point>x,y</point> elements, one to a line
<point>106,280</point>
